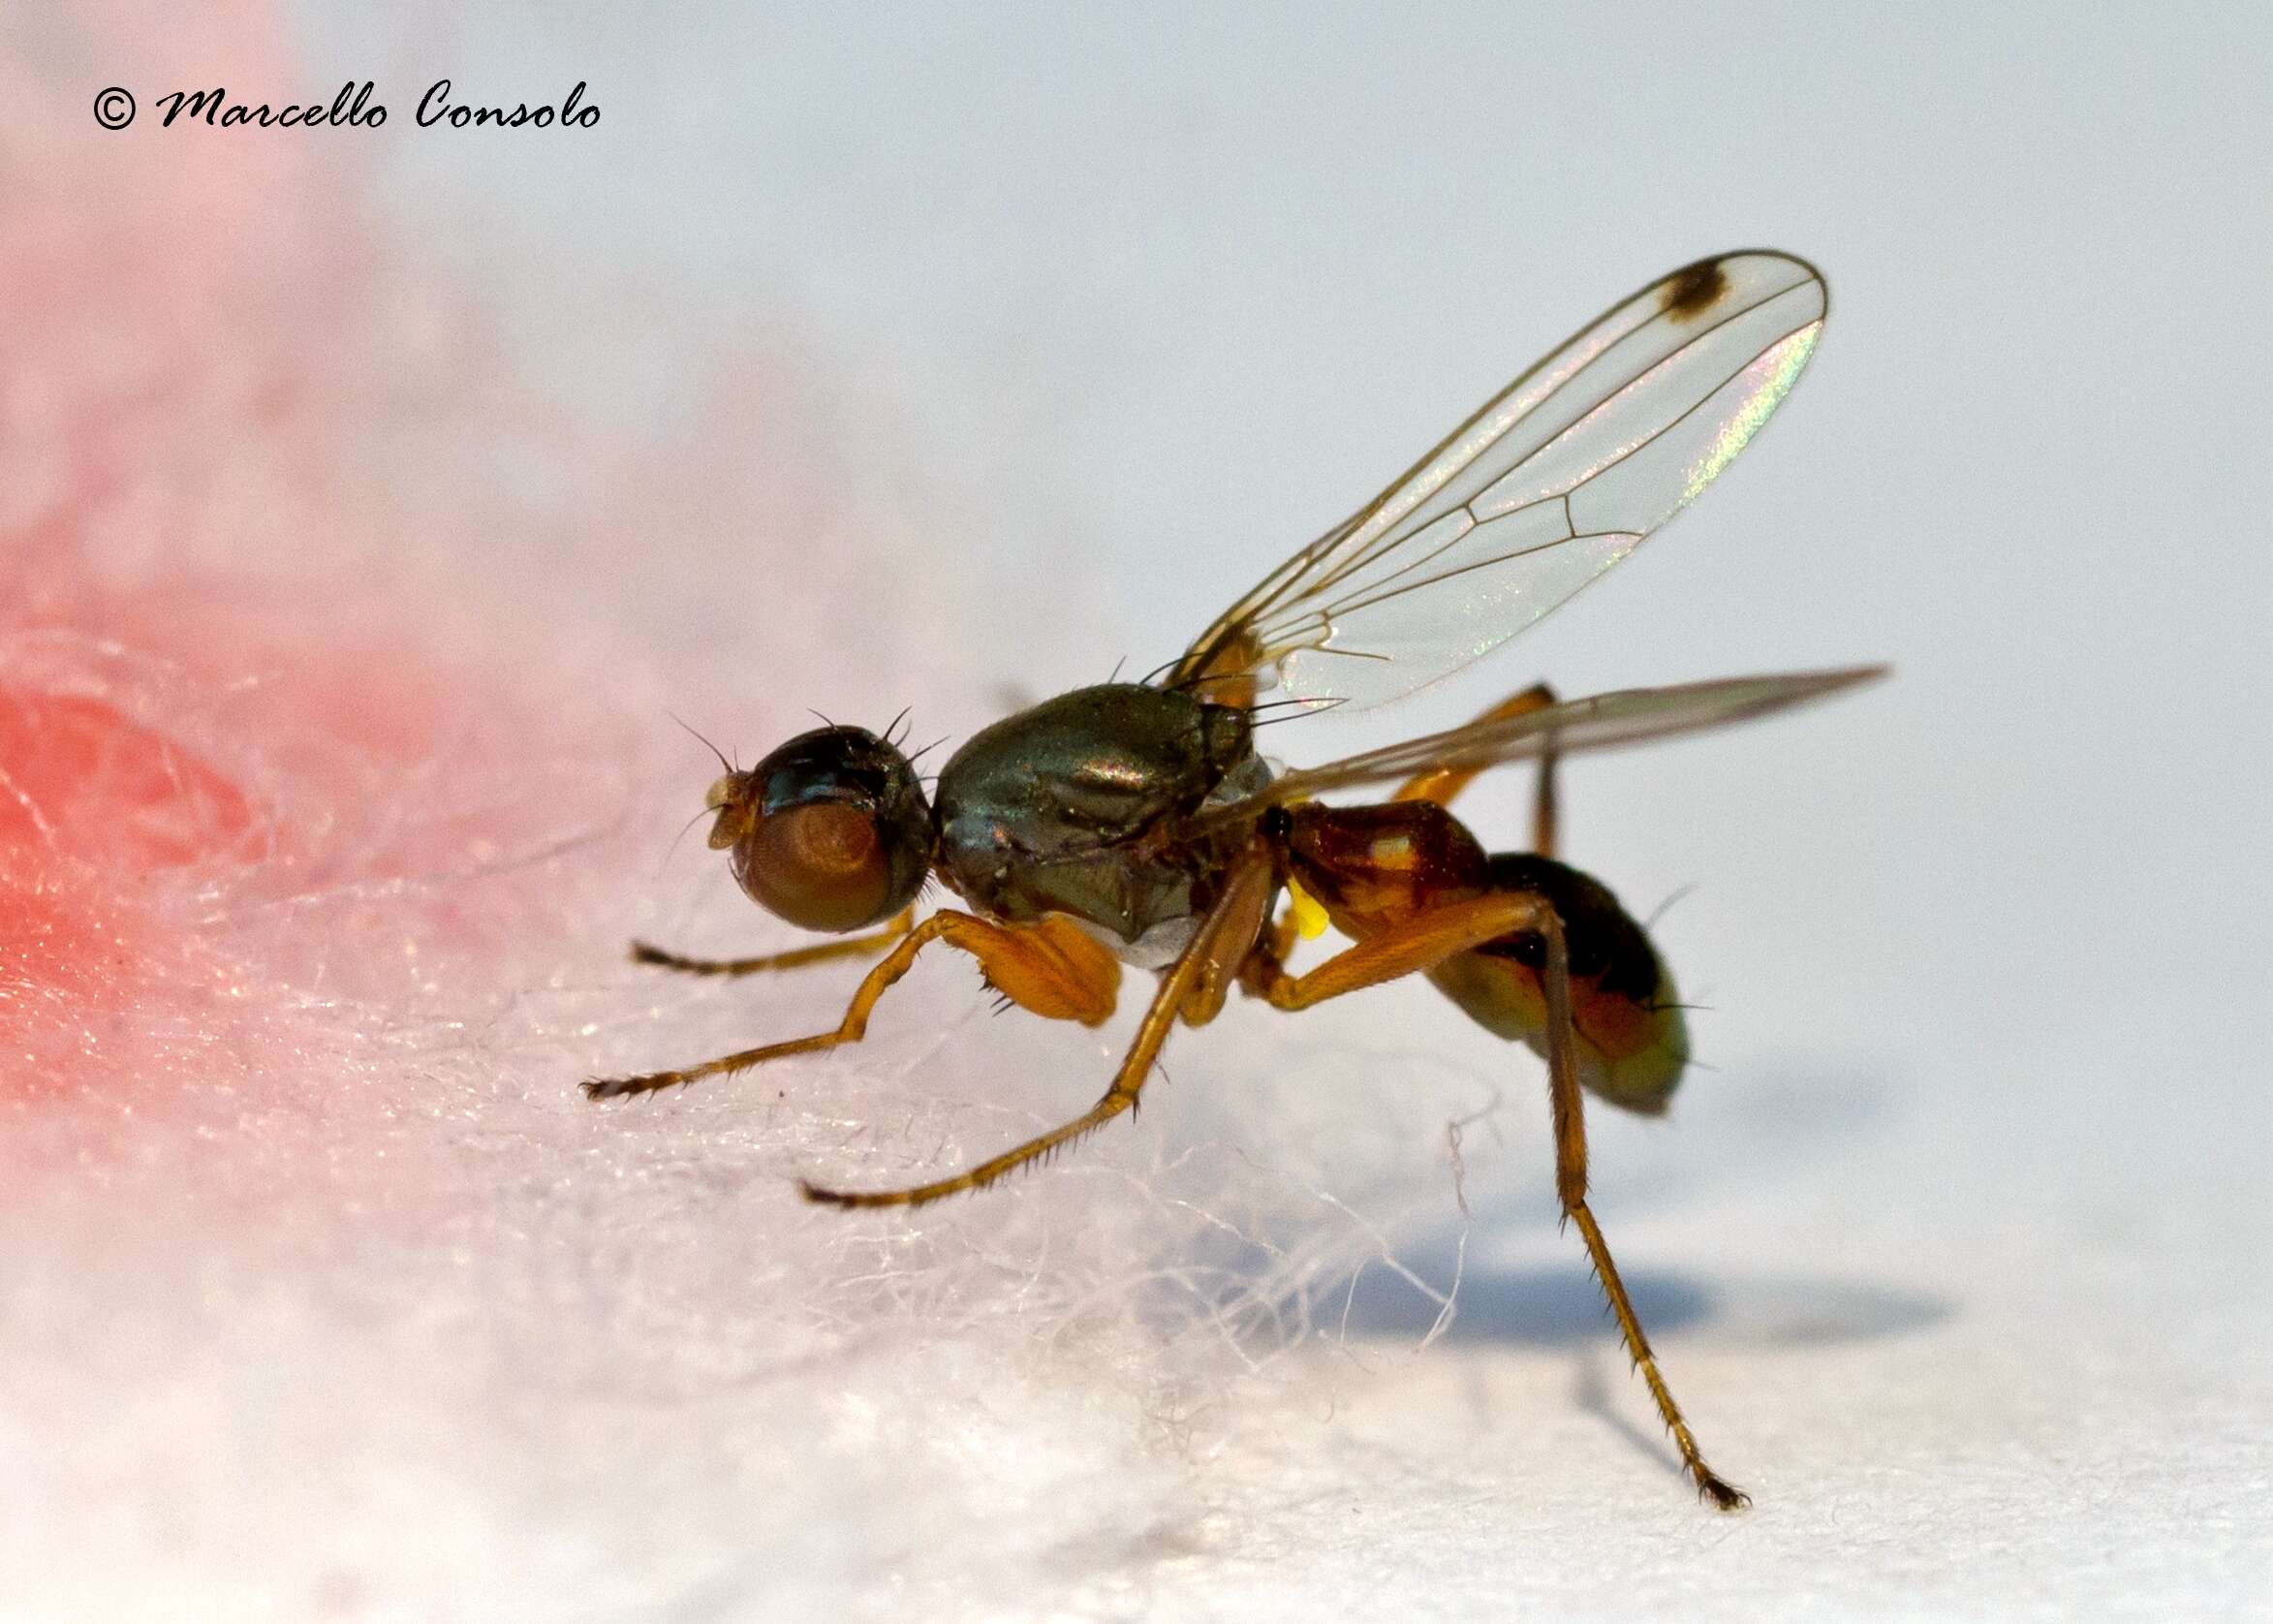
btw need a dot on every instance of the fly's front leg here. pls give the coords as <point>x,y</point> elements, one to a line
<point>1442,785</point>
<point>1048,967</point>
<point>1569,1121</point>
<point>851,947</point>
<point>1244,902</point>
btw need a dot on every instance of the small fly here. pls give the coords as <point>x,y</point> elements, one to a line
<point>1135,823</point>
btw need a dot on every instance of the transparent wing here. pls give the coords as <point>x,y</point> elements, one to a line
<point>1602,722</point>
<point>1551,482</point>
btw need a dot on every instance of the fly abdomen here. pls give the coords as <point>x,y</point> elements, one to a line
<point>1375,867</point>
<point>1632,1041</point>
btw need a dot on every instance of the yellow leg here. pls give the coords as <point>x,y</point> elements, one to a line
<point>1570,1122</point>
<point>1427,940</point>
<point>1246,895</point>
<point>1267,962</point>
<point>1049,967</point>
<point>851,947</point>
<point>1411,946</point>
<point>1226,952</point>
<point>1445,783</point>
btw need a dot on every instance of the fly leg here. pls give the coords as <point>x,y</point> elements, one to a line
<point>1415,944</point>
<point>1443,784</point>
<point>1428,939</point>
<point>1571,1188</point>
<point>851,947</point>
<point>1239,937</point>
<point>1048,967</point>
<point>1242,905</point>
<point>1267,961</point>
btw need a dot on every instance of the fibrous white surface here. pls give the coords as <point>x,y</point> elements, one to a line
<point>360,543</point>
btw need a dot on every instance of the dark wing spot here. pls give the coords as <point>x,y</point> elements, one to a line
<point>1694,288</point>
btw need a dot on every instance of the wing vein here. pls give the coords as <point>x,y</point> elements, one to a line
<point>1641,377</point>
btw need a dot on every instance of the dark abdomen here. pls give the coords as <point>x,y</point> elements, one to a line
<point>1375,867</point>
<point>1633,1041</point>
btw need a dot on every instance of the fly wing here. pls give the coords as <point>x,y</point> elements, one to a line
<point>1601,722</point>
<point>1555,479</point>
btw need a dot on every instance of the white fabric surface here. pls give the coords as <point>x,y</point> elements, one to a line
<point>948,360</point>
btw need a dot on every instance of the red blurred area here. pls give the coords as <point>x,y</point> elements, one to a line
<point>240,758</point>
<point>91,785</point>
<point>93,801</point>
<point>68,943</point>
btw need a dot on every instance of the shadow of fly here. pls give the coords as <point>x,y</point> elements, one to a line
<point>1135,823</point>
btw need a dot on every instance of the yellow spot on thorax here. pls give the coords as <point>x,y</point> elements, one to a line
<point>1392,852</point>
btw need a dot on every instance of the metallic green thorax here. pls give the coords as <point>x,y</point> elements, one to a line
<point>1080,805</point>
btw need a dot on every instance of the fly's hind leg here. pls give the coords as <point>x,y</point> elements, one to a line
<point>1570,1122</point>
<point>1443,784</point>
<point>1050,968</point>
<point>851,947</point>
<point>1427,940</point>
<point>1418,943</point>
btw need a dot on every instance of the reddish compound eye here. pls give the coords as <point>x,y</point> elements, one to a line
<point>831,831</point>
<point>822,866</point>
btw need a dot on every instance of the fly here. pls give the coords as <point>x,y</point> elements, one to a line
<point>1133,824</point>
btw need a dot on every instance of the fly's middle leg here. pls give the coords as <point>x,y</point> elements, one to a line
<point>1050,968</point>
<point>1240,909</point>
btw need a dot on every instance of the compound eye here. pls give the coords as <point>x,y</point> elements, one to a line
<point>822,866</point>
<point>831,831</point>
